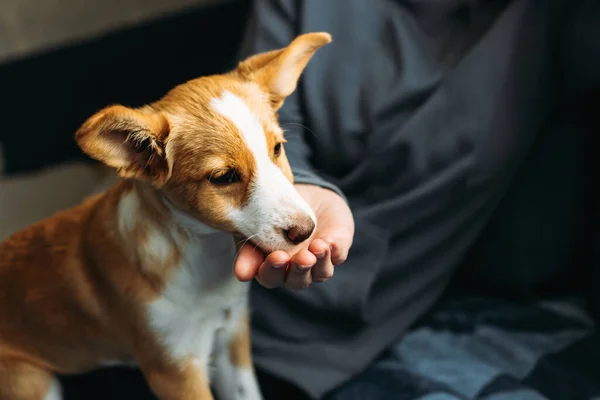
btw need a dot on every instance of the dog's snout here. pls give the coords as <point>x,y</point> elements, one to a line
<point>299,232</point>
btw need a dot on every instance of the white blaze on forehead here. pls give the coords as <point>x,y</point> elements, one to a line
<point>235,109</point>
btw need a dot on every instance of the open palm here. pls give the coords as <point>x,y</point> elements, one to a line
<point>314,261</point>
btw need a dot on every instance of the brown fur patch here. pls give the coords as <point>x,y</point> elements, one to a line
<point>22,381</point>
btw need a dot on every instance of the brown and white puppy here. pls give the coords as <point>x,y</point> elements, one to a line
<point>143,272</point>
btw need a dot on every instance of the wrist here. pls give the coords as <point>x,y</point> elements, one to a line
<point>319,190</point>
<point>309,178</point>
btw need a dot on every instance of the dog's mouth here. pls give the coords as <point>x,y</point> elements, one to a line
<point>252,241</point>
<point>241,239</point>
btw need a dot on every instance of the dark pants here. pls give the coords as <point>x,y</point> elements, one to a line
<point>469,349</point>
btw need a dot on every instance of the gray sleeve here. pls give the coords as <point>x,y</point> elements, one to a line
<point>273,24</point>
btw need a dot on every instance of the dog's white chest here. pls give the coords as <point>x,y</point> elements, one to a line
<point>201,300</point>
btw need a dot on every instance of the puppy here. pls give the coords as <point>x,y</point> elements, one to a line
<point>143,272</point>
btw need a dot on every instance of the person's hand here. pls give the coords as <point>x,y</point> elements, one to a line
<point>314,260</point>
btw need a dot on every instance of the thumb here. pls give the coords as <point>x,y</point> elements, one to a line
<point>247,263</point>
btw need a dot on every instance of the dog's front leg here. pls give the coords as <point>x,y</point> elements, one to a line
<point>187,380</point>
<point>234,377</point>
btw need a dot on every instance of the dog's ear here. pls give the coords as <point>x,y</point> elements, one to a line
<point>131,140</point>
<point>278,71</point>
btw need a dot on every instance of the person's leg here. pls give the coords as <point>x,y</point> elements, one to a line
<point>388,378</point>
<point>476,348</point>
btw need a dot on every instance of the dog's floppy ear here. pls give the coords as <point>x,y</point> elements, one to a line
<point>278,71</point>
<point>130,140</point>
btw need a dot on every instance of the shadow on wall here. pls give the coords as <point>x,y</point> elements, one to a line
<point>45,98</point>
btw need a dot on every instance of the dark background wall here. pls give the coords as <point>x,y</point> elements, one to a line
<point>44,98</point>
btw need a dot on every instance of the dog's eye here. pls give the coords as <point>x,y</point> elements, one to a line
<point>230,176</point>
<point>277,150</point>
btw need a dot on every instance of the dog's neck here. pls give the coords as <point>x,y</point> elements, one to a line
<point>187,222</point>
<point>144,205</point>
<point>161,237</point>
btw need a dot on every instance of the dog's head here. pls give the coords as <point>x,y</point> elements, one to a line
<point>214,149</point>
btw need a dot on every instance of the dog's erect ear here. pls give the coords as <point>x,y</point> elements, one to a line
<point>130,140</point>
<point>278,71</point>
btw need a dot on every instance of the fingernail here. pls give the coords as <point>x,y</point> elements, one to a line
<point>303,267</point>
<point>320,255</point>
<point>279,265</point>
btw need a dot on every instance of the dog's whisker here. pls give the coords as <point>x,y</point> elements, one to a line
<point>242,245</point>
<point>300,125</point>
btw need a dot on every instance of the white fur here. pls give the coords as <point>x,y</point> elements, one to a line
<point>273,203</point>
<point>157,250</point>
<point>192,308</point>
<point>158,247</point>
<point>247,381</point>
<point>202,301</point>
<point>128,211</point>
<point>55,391</point>
<point>231,381</point>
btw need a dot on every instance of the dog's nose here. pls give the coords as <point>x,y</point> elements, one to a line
<point>298,233</point>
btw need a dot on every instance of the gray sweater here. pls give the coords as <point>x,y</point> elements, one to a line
<point>419,113</point>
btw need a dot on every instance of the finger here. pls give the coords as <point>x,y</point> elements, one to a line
<point>299,273</point>
<point>339,246</point>
<point>305,257</point>
<point>271,273</point>
<point>323,269</point>
<point>248,262</point>
<point>318,247</point>
<point>339,254</point>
